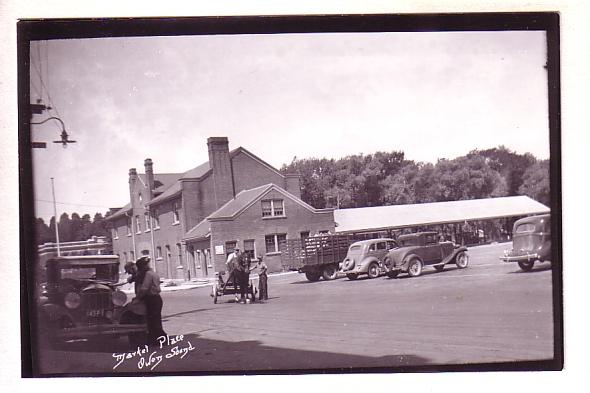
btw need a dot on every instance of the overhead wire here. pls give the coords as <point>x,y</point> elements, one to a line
<point>71,204</point>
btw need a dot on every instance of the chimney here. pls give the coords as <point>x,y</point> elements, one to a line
<point>132,185</point>
<point>149,174</point>
<point>292,184</point>
<point>220,164</point>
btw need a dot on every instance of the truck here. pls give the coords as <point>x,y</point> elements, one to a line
<point>317,256</point>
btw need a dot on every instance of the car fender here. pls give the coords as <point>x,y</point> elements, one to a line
<point>408,258</point>
<point>135,307</point>
<point>400,255</point>
<point>455,252</point>
<point>364,265</point>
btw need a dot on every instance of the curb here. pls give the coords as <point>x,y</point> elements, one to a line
<point>183,286</point>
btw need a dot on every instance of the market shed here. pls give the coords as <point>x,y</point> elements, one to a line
<point>436,213</point>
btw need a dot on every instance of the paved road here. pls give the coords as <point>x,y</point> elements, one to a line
<point>489,312</point>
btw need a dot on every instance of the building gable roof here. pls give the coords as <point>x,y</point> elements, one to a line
<point>239,204</point>
<point>399,216</point>
<point>247,198</point>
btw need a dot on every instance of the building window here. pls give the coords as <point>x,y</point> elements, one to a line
<point>128,226</point>
<point>115,233</point>
<point>230,247</point>
<point>175,216</point>
<point>156,218</point>
<point>275,243</point>
<point>125,257</point>
<point>148,223</point>
<point>138,225</point>
<point>158,252</point>
<point>249,248</point>
<point>304,234</point>
<point>273,208</point>
<point>132,255</point>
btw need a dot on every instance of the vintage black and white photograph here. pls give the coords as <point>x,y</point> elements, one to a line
<point>260,195</point>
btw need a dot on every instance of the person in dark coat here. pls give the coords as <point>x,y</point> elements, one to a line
<point>149,291</point>
<point>262,278</point>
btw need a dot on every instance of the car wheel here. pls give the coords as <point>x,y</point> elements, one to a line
<point>373,270</point>
<point>526,266</point>
<point>313,276</point>
<point>462,260</point>
<point>439,268</point>
<point>352,276</point>
<point>330,272</point>
<point>393,274</point>
<point>415,267</point>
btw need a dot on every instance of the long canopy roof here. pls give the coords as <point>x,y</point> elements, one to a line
<point>400,216</point>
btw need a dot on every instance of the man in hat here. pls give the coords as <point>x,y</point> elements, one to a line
<point>149,291</point>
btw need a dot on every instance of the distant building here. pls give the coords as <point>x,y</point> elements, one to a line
<point>189,222</point>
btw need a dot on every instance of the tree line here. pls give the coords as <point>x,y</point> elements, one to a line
<point>74,228</point>
<point>382,178</point>
<point>388,178</point>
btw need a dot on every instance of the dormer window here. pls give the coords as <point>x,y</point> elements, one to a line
<point>273,208</point>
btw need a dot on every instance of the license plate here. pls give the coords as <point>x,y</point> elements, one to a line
<point>94,313</point>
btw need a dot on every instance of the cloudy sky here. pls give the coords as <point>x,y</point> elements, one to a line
<point>431,95</point>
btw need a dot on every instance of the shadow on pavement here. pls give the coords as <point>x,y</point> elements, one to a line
<point>536,269</point>
<point>196,355</point>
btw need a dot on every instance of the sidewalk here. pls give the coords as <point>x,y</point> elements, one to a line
<point>169,285</point>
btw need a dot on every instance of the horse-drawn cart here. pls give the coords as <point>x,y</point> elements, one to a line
<point>229,287</point>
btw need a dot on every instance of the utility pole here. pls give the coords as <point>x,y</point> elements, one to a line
<point>55,215</point>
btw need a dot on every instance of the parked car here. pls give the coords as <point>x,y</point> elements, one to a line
<point>81,300</point>
<point>366,257</point>
<point>422,249</point>
<point>531,242</point>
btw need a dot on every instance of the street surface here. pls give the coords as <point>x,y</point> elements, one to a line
<point>488,312</point>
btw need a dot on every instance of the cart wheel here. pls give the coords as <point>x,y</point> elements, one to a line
<point>215,294</point>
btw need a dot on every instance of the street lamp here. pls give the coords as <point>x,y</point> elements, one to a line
<point>64,135</point>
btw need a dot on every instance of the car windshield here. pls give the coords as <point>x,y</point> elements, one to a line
<point>100,272</point>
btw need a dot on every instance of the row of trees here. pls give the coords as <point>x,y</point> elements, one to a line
<point>71,229</point>
<point>383,178</point>
<point>387,178</point>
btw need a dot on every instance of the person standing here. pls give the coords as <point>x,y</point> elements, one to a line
<point>231,263</point>
<point>149,291</point>
<point>262,278</point>
<point>242,276</point>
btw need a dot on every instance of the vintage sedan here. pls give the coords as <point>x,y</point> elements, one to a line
<point>531,242</point>
<point>422,249</point>
<point>81,301</point>
<point>366,257</point>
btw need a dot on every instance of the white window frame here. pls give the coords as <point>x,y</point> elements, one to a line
<point>175,214</point>
<point>129,226</point>
<point>115,233</point>
<point>159,253</point>
<point>276,243</point>
<point>156,219</point>
<point>274,207</point>
<point>148,222</point>
<point>137,225</point>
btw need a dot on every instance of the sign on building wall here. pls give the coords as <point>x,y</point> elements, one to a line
<point>219,250</point>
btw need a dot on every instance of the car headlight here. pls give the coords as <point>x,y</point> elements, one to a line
<point>72,300</point>
<point>119,298</point>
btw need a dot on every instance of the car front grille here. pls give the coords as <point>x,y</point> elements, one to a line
<point>96,302</point>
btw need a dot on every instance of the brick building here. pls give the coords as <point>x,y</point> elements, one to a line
<point>188,222</point>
